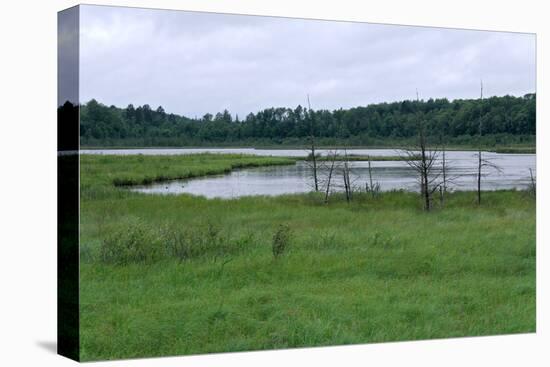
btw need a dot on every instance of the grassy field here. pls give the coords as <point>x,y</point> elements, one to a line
<point>167,275</point>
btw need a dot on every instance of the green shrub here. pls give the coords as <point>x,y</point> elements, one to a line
<point>135,242</point>
<point>281,240</point>
<point>178,243</point>
<point>132,243</point>
<point>199,241</point>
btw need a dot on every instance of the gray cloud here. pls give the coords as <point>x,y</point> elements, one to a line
<point>194,63</point>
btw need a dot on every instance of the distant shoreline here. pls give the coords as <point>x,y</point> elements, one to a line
<point>502,150</point>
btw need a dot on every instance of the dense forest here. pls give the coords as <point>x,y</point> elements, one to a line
<point>504,120</point>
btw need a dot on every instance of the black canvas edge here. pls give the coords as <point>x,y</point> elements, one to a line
<point>68,184</point>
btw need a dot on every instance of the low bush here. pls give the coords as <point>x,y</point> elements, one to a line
<point>200,241</point>
<point>131,243</point>
<point>136,242</point>
<point>281,240</point>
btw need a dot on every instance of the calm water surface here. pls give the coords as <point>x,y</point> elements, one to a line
<point>296,178</point>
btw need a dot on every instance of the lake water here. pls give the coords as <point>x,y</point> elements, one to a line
<point>297,178</point>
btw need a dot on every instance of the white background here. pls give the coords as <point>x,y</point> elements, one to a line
<point>28,34</point>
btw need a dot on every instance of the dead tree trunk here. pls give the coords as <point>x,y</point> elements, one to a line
<point>345,172</point>
<point>443,188</point>
<point>312,140</point>
<point>424,172</point>
<point>329,178</point>
<point>314,165</point>
<point>479,159</point>
<point>479,165</point>
<point>482,162</point>
<point>370,179</point>
<point>422,161</point>
<point>370,186</point>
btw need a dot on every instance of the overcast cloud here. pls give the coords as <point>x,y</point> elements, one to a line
<point>197,63</point>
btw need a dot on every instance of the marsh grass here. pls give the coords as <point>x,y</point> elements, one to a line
<point>372,270</point>
<point>99,173</point>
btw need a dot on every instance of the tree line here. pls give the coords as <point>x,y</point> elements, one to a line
<point>505,120</point>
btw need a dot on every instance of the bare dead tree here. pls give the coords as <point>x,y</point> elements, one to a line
<point>345,174</point>
<point>371,187</point>
<point>330,174</point>
<point>482,163</point>
<point>448,177</point>
<point>443,186</point>
<point>370,174</point>
<point>336,174</point>
<point>479,159</point>
<point>423,161</point>
<point>444,169</point>
<point>312,156</point>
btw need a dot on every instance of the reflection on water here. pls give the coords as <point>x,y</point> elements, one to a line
<point>277,180</point>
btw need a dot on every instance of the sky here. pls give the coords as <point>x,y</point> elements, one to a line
<point>193,63</point>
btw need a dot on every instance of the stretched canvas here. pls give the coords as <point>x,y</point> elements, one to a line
<point>234,183</point>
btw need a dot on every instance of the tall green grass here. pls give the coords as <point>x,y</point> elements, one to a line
<point>167,275</point>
